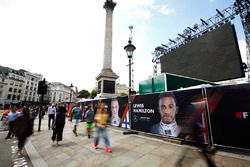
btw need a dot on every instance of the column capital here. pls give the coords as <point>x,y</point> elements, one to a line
<point>109,4</point>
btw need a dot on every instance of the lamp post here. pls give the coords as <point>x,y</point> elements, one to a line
<point>70,95</point>
<point>129,50</point>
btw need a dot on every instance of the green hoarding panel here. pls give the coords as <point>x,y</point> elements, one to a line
<point>146,86</point>
<point>168,82</point>
<point>159,83</point>
<point>175,82</point>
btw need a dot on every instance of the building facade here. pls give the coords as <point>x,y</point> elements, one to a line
<point>58,93</point>
<point>18,85</point>
<point>31,86</point>
<point>4,71</point>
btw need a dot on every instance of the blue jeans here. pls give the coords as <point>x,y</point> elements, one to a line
<point>101,131</point>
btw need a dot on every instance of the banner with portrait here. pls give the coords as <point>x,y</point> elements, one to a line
<point>117,109</point>
<point>230,115</point>
<point>176,114</point>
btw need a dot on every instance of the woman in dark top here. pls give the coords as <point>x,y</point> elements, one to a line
<point>59,124</point>
<point>23,128</point>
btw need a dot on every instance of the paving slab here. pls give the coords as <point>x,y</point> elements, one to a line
<point>127,150</point>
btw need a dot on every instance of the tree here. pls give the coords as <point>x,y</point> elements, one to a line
<point>123,94</point>
<point>93,94</point>
<point>84,94</point>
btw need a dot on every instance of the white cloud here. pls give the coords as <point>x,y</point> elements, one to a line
<point>166,10</point>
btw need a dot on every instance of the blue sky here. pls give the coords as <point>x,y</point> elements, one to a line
<point>64,39</point>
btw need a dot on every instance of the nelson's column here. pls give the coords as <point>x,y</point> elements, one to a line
<point>107,78</point>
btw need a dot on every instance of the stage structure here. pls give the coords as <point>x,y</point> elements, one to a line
<point>240,7</point>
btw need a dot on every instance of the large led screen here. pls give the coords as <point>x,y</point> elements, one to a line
<point>214,56</point>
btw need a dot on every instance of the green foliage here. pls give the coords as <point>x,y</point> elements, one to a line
<point>84,94</point>
<point>123,94</point>
<point>93,94</point>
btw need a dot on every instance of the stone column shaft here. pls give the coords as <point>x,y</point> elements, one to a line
<point>107,56</point>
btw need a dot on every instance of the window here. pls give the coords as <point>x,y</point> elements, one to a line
<point>19,91</point>
<point>13,97</point>
<point>15,90</point>
<point>18,97</point>
<point>27,87</point>
<point>11,83</point>
<point>10,89</point>
<point>9,96</point>
<point>20,85</point>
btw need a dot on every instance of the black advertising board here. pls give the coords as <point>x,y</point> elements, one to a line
<point>117,110</point>
<point>178,114</point>
<point>230,115</point>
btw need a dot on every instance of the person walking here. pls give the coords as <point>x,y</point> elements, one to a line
<point>23,128</point>
<point>51,114</point>
<point>101,119</point>
<point>59,124</point>
<point>11,117</point>
<point>89,117</point>
<point>75,117</point>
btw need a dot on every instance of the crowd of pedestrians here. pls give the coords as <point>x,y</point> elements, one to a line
<point>21,122</point>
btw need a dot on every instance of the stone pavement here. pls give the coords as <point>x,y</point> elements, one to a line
<point>128,150</point>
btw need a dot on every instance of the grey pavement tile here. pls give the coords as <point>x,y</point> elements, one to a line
<point>117,137</point>
<point>97,160</point>
<point>62,156</point>
<point>123,159</point>
<point>171,161</point>
<point>218,159</point>
<point>128,146</point>
<point>71,163</point>
<point>148,160</point>
<point>52,162</point>
<point>165,150</point>
<point>144,148</point>
<point>118,150</point>
<point>232,162</point>
<point>128,150</point>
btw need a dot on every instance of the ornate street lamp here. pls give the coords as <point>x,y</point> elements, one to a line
<point>129,50</point>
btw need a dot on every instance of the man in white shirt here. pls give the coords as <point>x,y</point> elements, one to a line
<point>51,114</point>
